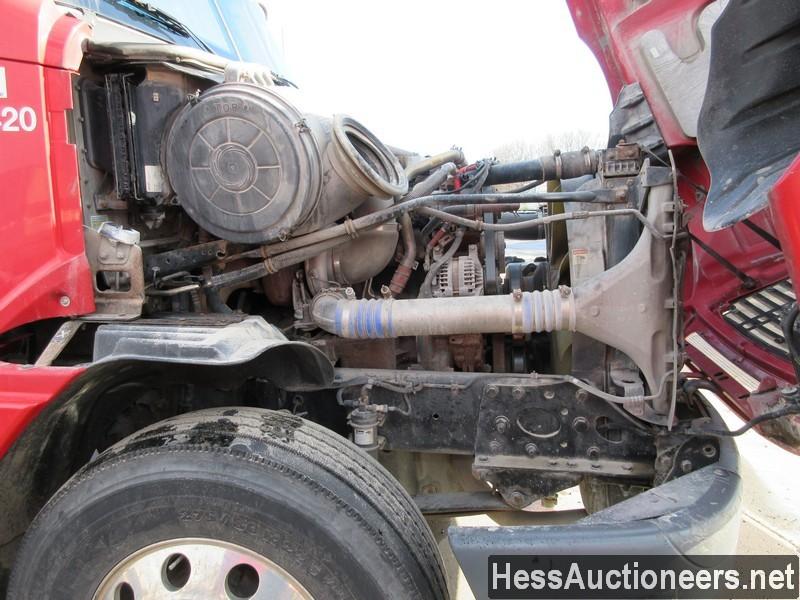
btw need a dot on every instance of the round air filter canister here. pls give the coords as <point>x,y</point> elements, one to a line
<point>242,164</point>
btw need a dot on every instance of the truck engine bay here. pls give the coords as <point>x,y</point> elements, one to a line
<point>211,202</point>
<point>249,349</point>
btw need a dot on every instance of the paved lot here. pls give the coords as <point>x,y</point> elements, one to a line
<point>770,520</point>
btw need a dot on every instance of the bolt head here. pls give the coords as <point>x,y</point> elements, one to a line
<point>686,465</point>
<point>580,424</point>
<point>501,424</point>
<point>549,394</point>
<point>518,393</point>
<point>64,301</point>
<point>494,446</point>
<point>709,451</point>
<point>350,293</point>
<point>492,391</point>
<point>517,499</point>
<point>581,395</point>
<point>531,449</point>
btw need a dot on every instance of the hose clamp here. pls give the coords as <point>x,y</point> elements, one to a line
<point>350,228</point>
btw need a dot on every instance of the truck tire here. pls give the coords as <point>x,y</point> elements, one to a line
<point>230,503</point>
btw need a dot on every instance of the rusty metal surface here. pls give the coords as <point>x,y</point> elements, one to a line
<point>111,256</point>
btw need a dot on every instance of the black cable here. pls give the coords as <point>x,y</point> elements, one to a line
<point>528,186</point>
<point>790,409</point>
<point>787,324</point>
<point>762,233</point>
<point>747,282</point>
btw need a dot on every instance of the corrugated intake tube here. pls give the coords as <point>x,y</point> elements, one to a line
<point>519,312</point>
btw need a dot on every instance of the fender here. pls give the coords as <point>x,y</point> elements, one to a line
<point>231,347</point>
<point>44,272</point>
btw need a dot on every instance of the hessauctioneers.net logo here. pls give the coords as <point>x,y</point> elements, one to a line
<point>572,577</point>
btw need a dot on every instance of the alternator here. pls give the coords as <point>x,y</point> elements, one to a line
<point>460,276</point>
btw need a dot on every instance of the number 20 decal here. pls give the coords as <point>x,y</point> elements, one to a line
<point>13,119</point>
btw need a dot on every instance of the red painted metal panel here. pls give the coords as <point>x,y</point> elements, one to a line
<point>44,272</point>
<point>785,208</point>
<point>38,32</point>
<point>612,29</point>
<point>24,391</point>
<point>710,288</point>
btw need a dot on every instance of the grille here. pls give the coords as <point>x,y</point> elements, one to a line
<point>759,315</point>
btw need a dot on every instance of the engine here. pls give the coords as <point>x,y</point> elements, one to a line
<point>209,192</point>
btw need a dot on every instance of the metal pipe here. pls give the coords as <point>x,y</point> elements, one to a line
<point>536,232</point>
<point>406,266</point>
<point>527,224</point>
<point>296,250</point>
<point>476,211</point>
<point>272,265</point>
<point>426,164</point>
<point>425,288</point>
<point>173,291</point>
<point>403,271</point>
<point>156,52</point>
<point>519,312</point>
<point>353,226</point>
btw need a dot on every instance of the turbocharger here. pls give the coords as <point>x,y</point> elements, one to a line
<point>248,167</point>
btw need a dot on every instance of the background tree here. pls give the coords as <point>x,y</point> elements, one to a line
<point>575,139</point>
<point>520,149</point>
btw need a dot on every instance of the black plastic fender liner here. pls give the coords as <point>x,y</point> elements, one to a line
<point>749,125</point>
<point>224,343</point>
<point>698,513</point>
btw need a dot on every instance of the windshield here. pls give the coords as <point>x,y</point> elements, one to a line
<point>235,29</point>
<point>238,29</point>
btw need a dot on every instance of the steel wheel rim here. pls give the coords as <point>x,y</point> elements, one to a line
<point>191,568</point>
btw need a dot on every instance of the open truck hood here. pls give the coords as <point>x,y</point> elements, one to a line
<point>747,138</point>
<point>662,45</point>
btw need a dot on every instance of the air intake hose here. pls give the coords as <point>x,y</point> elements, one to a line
<point>519,312</point>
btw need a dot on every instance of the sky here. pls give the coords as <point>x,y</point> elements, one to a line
<point>429,75</point>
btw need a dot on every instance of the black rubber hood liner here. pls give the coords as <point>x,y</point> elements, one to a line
<point>749,125</point>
